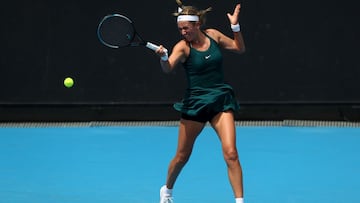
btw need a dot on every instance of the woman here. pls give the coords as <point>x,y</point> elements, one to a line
<point>207,98</point>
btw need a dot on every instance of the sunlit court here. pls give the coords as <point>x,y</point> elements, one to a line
<point>117,163</point>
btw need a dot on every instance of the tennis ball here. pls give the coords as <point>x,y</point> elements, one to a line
<point>68,82</point>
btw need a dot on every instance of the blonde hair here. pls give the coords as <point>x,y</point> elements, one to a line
<point>191,10</point>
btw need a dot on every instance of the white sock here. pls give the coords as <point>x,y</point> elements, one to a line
<point>167,191</point>
<point>239,200</point>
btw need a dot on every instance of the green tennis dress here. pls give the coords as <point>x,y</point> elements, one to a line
<point>206,91</point>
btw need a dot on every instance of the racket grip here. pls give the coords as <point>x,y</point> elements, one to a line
<point>154,47</point>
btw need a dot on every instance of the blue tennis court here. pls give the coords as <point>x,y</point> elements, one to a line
<point>128,164</point>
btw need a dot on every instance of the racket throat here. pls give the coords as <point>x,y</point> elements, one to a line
<point>136,44</point>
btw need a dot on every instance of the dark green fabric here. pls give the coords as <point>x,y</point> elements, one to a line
<point>206,88</point>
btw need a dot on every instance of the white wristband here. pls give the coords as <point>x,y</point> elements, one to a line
<point>235,28</point>
<point>165,57</point>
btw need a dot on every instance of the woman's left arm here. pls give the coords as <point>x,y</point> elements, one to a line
<point>237,43</point>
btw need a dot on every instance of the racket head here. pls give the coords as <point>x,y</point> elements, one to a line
<point>116,31</point>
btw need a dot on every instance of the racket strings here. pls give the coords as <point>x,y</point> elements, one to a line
<point>116,31</point>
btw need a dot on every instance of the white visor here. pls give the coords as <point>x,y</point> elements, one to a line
<point>187,18</point>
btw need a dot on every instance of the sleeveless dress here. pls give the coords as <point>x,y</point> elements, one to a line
<point>206,91</point>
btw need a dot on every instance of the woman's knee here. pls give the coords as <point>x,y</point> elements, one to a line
<point>231,155</point>
<point>182,157</point>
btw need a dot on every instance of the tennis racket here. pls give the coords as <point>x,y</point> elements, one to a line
<point>117,31</point>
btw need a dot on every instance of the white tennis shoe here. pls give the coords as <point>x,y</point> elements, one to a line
<point>165,198</point>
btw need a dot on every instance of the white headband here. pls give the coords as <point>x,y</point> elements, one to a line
<point>187,18</point>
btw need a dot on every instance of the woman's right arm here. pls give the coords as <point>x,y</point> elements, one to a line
<point>177,55</point>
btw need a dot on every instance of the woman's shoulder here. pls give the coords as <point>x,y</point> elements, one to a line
<point>182,43</point>
<point>213,33</point>
<point>181,49</point>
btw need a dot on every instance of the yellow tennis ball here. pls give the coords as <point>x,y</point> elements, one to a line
<point>68,82</point>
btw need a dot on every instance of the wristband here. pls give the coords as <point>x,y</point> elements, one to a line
<point>165,57</point>
<point>235,28</point>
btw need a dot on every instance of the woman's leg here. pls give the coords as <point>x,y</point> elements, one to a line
<point>224,125</point>
<point>188,132</point>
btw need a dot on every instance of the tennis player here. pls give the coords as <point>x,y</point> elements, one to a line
<point>208,98</point>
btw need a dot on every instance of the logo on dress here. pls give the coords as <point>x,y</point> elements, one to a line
<point>207,57</point>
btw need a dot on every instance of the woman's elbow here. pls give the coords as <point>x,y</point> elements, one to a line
<point>167,71</point>
<point>240,50</point>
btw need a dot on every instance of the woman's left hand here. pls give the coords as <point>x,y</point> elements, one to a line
<point>234,18</point>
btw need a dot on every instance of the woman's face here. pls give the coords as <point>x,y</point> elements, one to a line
<point>188,30</point>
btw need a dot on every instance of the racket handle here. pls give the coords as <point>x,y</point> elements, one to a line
<point>154,47</point>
